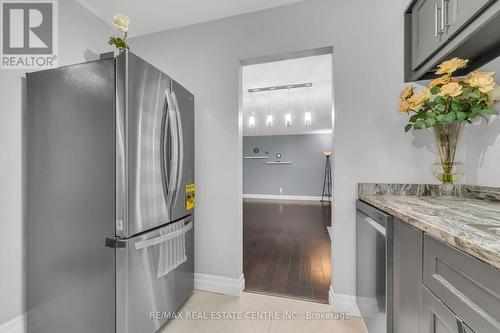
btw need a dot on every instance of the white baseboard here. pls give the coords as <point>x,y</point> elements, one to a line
<point>219,284</point>
<point>343,303</point>
<point>281,197</point>
<point>16,325</point>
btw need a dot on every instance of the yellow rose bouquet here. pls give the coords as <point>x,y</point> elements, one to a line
<point>450,99</point>
<point>445,105</point>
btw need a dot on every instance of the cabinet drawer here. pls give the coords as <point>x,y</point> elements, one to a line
<point>470,288</point>
<point>436,317</point>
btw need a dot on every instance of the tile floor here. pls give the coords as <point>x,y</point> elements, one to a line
<point>249,306</point>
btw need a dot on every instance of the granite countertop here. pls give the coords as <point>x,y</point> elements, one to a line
<point>443,216</point>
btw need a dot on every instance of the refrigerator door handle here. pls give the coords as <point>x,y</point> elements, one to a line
<point>180,146</point>
<point>174,159</point>
<point>167,155</point>
<point>163,238</point>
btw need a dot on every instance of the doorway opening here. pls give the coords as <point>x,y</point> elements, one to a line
<point>287,152</point>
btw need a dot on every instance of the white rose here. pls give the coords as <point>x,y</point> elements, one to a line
<point>121,22</point>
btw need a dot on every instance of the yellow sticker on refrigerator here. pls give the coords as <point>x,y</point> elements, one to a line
<point>190,189</point>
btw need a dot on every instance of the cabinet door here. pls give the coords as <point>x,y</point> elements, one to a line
<point>427,35</point>
<point>457,13</point>
<point>469,287</point>
<point>435,317</point>
<point>407,277</point>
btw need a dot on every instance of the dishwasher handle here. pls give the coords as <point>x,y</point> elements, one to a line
<point>375,225</point>
<point>378,216</point>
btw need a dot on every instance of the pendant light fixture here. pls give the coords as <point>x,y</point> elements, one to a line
<point>269,117</point>
<point>251,122</point>
<point>288,115</point>
<point>269,120</point>
<point>251,118</point>
<point>307,114</point>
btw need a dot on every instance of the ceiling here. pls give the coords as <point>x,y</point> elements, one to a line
<point>315,69</point>
<point>150,16</point>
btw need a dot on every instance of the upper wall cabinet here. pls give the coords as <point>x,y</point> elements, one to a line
<point>427,35</point>
<point>436,30</point>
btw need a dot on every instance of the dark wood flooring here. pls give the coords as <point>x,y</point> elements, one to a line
<point>286,248</point>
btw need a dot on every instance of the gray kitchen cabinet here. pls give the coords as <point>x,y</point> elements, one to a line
<point>438,30</point>
<point>457,13</point>
<point>407,251</point>
<point>427,35</point>
<point>469,287</point>
<point>435,317</point>
<point>436,288</point>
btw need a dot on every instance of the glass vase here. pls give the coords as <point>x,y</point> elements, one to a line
<point>447,170</point>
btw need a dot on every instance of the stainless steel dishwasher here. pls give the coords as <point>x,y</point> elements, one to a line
<point>374,269</point>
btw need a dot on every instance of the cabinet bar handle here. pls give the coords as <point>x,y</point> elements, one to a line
<point>436,23</point>
<point>444,14</point>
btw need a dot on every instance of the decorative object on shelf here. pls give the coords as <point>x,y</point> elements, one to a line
<point>326,194</point>
<point>278,155</point>
<point>255,150</point>
<point>120,22</point>
<point>445,105</point>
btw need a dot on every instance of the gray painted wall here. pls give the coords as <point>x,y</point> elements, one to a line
<point>304,177</point>
<point>82,36</point>
<point>482,145</point>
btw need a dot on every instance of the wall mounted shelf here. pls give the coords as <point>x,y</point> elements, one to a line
<point>255,157</point>
<point>277,163</point>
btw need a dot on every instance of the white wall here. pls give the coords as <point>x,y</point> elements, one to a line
<point>482,145</point>
<point>370,143</point>
<point>81,37</point>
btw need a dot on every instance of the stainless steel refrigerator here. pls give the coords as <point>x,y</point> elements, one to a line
<point>109,197</point>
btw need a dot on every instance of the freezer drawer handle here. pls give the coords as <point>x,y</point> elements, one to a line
<point>115,243</point>
<point>163,238</point>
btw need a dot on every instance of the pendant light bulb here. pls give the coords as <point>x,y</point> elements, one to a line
<point>288,120</point>
<point>308,118</point>
<point>251,122</point>
<point>269,120</point>
<point>307,114</point>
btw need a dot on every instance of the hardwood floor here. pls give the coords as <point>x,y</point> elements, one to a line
<point>287,248</point>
